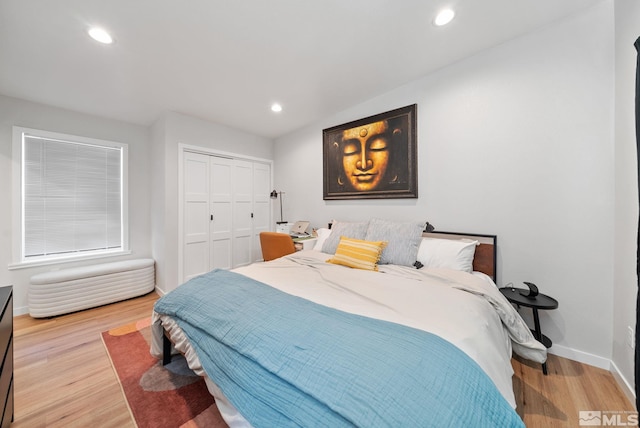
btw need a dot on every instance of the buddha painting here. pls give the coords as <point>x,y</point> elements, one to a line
<point>371,158</point>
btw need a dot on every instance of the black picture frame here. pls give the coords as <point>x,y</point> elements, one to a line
<point>372,158</point>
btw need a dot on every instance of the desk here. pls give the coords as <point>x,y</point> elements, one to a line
<point>305,243</point>
<point>541,301</point>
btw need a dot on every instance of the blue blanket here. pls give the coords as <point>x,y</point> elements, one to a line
<point>285,361</point>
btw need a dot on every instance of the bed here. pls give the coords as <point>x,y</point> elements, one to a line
<point>420,337</point>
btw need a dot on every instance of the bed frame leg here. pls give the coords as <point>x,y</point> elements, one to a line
<point>166,349</point>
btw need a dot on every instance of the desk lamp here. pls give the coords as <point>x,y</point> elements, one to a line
<point>274,195</point>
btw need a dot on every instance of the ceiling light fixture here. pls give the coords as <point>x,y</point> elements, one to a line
<point>277,108</point>
<point>98,34</point>
<point>444,17</point>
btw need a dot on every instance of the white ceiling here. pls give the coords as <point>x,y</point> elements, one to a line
<point>226,61</point>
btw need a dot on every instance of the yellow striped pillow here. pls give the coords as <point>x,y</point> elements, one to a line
<point>359,254</point>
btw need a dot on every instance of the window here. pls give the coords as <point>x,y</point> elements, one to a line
<point>72,196</point>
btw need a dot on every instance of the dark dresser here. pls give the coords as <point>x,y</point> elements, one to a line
<point>6,351</point>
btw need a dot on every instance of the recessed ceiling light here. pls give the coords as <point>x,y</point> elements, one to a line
<point>100,35</point>
<point>444,17</point>
<point>275,107</point>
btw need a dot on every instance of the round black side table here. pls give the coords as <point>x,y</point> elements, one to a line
<point>541,301</point>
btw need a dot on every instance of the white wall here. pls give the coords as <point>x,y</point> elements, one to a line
<point>23,113</point>
<point>158,199</point>
<point>516,141</point>
<point>627,17</point>
<point>167,133</point>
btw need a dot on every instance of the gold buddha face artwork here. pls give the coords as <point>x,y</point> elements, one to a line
<point>365,155</point>
<point>371,158</point>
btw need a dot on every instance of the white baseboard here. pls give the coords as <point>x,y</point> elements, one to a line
<point>580,356</point>
<point>627,387</point>
<point>21,310</point>
<point>160,291</point>
<point>596,361</point>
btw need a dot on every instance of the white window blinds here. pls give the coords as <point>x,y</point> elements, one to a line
<point>72,197</point>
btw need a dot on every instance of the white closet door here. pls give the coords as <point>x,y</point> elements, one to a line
<point>261,205</point>
<point>242,212</point>
<point>221,209</point>
<point>196,215</point>
<point>226,206</point>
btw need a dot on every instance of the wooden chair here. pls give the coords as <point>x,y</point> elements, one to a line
<point>275,245</point>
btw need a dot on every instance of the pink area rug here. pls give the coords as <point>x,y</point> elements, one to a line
<point>158,396</point>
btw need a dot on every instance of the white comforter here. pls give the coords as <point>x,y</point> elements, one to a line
<point>465,309</point>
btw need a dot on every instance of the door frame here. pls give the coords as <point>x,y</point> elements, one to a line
<point>182,148</point>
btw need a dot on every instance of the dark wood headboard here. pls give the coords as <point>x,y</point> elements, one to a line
<point>485,259</point>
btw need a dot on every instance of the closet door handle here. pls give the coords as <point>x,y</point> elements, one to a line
<point>211,217</point>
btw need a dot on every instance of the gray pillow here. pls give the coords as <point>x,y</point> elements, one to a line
<point>403,240</point>
<point>339,229</point>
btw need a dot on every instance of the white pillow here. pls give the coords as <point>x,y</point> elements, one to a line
<point>323,233</point>
<point>447,253</point>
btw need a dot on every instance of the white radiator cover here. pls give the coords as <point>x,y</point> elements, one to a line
<point>69,290</point>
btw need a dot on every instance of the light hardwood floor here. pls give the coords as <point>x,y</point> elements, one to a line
<point>63,377</point>
<point>555,400</point>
